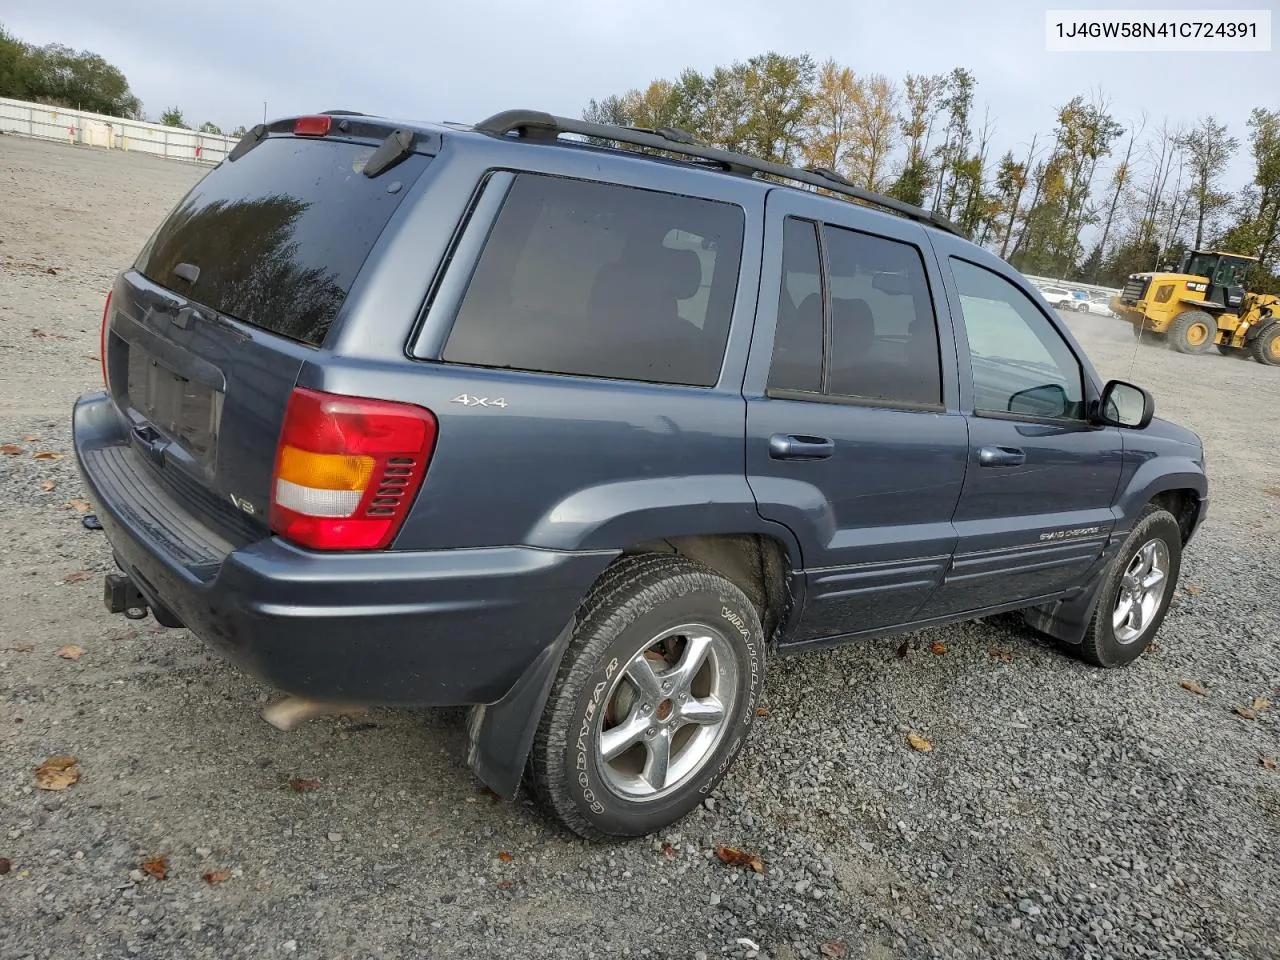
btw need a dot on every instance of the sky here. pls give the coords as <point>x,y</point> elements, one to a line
<point>461,62</point>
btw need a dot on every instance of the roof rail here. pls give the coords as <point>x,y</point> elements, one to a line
<point>536,125</point>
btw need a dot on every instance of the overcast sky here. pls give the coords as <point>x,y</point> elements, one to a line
<point>436,61</point>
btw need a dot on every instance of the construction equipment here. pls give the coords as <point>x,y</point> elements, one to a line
<point>1202,305</point>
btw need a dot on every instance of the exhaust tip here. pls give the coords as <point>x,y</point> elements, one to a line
<point>291,712</point>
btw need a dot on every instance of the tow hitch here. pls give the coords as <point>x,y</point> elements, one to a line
<point>121,596</point>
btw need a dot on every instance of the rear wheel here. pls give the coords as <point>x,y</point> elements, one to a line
<point>653,701</point>
<point>1192,332</point>
<point>1266,346</point>
<point>1136,593</point>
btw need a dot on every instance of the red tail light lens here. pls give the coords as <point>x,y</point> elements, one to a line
<point>312,126</point>
<point>348,469</point>
<point>102,338</point>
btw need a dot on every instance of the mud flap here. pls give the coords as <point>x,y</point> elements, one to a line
<point>1067,619</point>
<point>500,735</point>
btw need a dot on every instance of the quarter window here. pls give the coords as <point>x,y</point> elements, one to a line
<point>597,280</point>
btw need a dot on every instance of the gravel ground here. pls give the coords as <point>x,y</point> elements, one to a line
<point>1063,811</point>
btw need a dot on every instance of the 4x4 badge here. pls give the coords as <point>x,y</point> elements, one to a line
<point>470,401</point>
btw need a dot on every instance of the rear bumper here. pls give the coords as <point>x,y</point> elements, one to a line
<point>445,627</point>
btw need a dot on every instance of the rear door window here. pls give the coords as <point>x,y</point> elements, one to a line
<point>276,238</point>
<point>596,280</point>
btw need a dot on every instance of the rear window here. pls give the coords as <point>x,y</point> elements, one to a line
<point>596,280</point>
<point>278,236</point>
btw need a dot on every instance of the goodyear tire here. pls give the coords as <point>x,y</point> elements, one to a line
<point>1265,347</point>
<point>1135,594</point>
<point>1192,332</point>
<point>653,701</point>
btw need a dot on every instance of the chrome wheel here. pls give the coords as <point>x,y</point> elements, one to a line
<point>1142,589</point>
<point>666,711</point>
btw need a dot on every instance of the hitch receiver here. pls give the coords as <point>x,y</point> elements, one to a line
<point>121,596</point>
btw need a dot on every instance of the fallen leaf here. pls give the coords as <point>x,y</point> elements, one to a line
<point>1152,648</point>
<point>505,857</point>
<point>1246,713</point>
<point>1266,763</point>
<point>5,866</point>
<point>919,743</point>
<point>301,784</point>
<point>1192,686</point>
<point>1261,703</point>
<point>733,857</point>
<point>57,773</point>
<point>30,437</point>
<point>669,851</point>
<point>214,876</point>
<point>1004,655</point>
<point>1192,590</point>
<point>762,711</point>
<point>938,649</point>
<point>52,272</point>
<point>157,867</point>
<point>47,486</point>
<point>903,649</point>
<point>486,792</point>
<point>80,505</point>
<point>75,577</point>
<point>70,652</point>
<point>48,455</point>
<point>832,948</point>
<point>12,449</point>
<point>505,885</point>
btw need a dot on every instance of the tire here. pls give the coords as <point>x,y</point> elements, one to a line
<point>1265,347</point>
<point>1239,353</point>
<point>1192,332</point>
<point>1108,643</point>
<point>601,684</point>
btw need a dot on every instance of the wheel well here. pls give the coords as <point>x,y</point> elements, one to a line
<point>754,563</point>
<point>1183,504</point>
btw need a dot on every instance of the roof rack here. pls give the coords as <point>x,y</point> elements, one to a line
<point>536,125</point>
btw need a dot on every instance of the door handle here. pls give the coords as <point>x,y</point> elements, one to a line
<point>1001,457</point>
<point>785,446</point>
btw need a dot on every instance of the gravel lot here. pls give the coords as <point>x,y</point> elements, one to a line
<point>1063,812</point>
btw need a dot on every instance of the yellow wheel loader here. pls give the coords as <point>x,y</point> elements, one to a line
<point>1204,305</point>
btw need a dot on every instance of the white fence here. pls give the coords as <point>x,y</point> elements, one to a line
<point>111,133</point>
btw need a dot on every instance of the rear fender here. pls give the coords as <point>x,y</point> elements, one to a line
<point>618,515</point>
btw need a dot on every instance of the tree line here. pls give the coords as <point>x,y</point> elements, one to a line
<point>1143,192</point>
<point>76,79</point>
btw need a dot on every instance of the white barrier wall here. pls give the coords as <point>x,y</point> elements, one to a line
<point>111,133</point>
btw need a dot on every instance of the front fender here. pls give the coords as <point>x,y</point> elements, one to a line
<point>1157,475</point>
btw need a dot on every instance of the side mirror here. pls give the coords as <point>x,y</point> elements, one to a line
<point>1125,405</point>
<point>1048,400</point>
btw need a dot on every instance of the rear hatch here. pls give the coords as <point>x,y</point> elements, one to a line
<point>238,287</point>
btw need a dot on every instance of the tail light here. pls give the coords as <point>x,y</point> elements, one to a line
<point>348,469</point>
<point>102,338</point>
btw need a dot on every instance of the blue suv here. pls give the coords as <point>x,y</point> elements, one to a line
<point>580,425</point>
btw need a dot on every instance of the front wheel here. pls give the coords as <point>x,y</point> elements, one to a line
<point>1192,332</point>
<point>1135,595</point>
<point>653,701</point>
